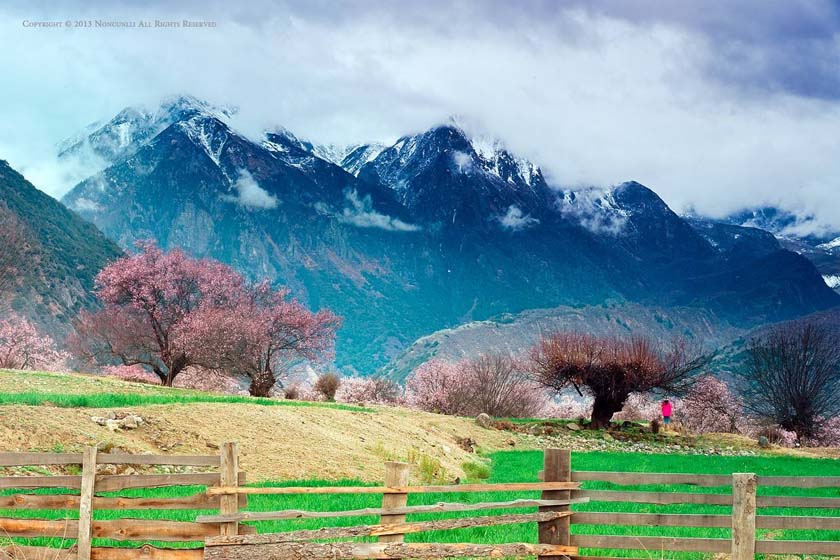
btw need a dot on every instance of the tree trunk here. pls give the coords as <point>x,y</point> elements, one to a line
<point>261,383</point>
<point>602,411</point>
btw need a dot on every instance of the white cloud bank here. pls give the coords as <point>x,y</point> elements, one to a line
<point>594,96</point>
<point>360,213</point>
<point>515,220</point>
<point>249,194</point>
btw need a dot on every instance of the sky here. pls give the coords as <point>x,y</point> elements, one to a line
<point>717,105</point>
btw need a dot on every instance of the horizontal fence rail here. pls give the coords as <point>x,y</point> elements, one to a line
<point>89,485</point>
<point>548,506</point>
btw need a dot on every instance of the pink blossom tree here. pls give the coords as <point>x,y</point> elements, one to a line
<point>148,300</point>
<point>711,407</point>
<point>22,347</point>
<point>260,335</point>
<point>440,386</point>
<point>492,383</point>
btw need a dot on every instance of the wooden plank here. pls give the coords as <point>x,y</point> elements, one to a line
<point>797,502</point>
<point>797,522</point>
<point>391,529</point>
<point>229,468</point>
<point>8,459</point>
<point>653,545</point>
<point>660,498</point>
<point>86,503</point>
<point>652,519</point>
<point>800,481</point>
<point>47,459</point>
<point>110,482</point>
<point>117,529</point>
<point>396,475</point>
<point>70,501</point>
<point>146,552</point>
<point>743,516</point>
<point>59,481</point>
<point>439,507</point>
<point>557,467</point>
<point>379,551</point>
<point>505,487</point>
<point>705,480</point>
<point>830,548</point>
<point>172,460</point>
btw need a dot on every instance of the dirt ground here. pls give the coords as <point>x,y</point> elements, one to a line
<point>275,442</point>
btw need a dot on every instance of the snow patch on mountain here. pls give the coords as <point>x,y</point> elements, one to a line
<point>832,281</point>
<point>249,194</point>
<point>514,219</point>
<point>831,245</point>
<point>595,209</point>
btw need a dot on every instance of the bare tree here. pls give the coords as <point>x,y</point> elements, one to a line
<point>791,377</point>
<point>503,389</point>
<point>611,369</point>
<point>15,248</point>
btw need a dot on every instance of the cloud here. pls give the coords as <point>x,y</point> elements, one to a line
<point>595,209</point>
<point>360,213</point>
<point>515,220</point>
<point>716,105</point>
<point>462,161</point>
<point>250,194</point>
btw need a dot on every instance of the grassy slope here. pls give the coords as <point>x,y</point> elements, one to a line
<point>523,466</point>
<point>88,391</point>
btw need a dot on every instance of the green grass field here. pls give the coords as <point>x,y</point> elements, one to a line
<point>522,466</point>
<point>77,391</point>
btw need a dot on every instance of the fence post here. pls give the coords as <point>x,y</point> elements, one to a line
<point>557,467</point>
<point>396,474</point>
<point>86,502</point>
<point>743,516</point>
<point>229,503</point>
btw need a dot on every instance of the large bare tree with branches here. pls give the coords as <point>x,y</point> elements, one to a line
<point>610,369</point>
<point>791,377</point>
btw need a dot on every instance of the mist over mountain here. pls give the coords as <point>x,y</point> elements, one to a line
<point>439,229</point>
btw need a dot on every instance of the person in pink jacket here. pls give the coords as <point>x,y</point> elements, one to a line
<point>666,411</point>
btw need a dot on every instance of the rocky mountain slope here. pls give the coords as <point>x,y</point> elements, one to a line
<point>439,229</point>
<point>66,254</point>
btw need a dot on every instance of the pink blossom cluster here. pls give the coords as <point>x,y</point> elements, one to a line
<point>569,408</point>
<point>168,312</point>
<point>23,347</point>
<point>493,384</point>
<point>371,390</point>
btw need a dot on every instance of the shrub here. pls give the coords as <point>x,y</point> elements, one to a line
<point>476,471</point>
<point>327,386</point>
<point>377,390</point>
<point>569,408</point>
<point>135,374</point>
<point>292,392</point>
<point>640,407</point>
<point>210,380</point>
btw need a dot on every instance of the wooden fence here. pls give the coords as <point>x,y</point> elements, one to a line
<point>222,470</point>
<point>228,538</point>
